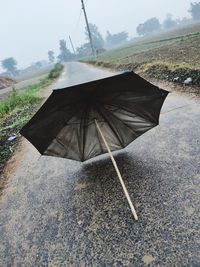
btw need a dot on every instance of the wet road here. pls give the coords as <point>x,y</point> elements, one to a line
<point>57,212</point>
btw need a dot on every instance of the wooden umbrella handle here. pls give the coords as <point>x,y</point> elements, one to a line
<point>118,172</point>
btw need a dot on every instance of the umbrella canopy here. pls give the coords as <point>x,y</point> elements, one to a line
<point>125,106</point>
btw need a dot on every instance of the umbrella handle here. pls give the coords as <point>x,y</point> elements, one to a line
<point>118,172</point>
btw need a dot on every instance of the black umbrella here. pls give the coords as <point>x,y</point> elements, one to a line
<point>86,120</point>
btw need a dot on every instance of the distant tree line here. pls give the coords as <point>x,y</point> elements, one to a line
<point>148,27</point>
<point>101,44</point>
<point>153,25</point>
<point>195,10</point>
<point>10,65</point>
<point>84,50</point>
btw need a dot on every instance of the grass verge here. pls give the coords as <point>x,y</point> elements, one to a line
<point>55,72</point>
<point>15,110</point>
<point>156,70</point>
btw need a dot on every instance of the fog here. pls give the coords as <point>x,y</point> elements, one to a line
<point>30,28</point>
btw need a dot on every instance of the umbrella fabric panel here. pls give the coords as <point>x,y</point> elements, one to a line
<point>144,106</point>
<point>43,127</point>
<point>71,144</point>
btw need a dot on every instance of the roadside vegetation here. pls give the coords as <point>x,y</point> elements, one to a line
<point>55,72</point>
<point>16,109</point>
<point>172,56</point>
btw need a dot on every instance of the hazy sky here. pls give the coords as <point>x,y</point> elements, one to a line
<point>28,29</point>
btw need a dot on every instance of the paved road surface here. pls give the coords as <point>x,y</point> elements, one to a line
<point>57,212</point>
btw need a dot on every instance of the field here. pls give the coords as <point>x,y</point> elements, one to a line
<point>166,56</point>
<point>42,72</point>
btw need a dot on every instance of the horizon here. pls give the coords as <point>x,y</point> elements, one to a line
<point>29,32</point>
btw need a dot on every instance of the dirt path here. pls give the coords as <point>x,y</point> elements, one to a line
<point>57,212</point>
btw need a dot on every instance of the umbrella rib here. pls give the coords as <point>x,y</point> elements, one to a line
<point>123,122</point>
<point>127,110</point>
<point>61,143</point>
<point>111,127</point>
<point>83,124</point>
<point>99,139</point>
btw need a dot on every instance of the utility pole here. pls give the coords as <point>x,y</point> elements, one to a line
<point>72,44</point>
<point>88,29</point>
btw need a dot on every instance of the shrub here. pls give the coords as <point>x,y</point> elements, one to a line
<point>55,72</point>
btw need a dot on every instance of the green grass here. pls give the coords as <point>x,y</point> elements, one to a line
<point>21,121</point>
<point>15,99</point>
<point>27,96</point>
<point>55,72</point>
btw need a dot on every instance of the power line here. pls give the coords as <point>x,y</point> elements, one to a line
<point>78,20</point>
<point>77,24</point>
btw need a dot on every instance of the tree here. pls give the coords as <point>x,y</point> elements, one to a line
<point>148,27</point>
<point>195,10</point>
<point>169,22</point>
<point>10,64</point>
<point>84,50</point>
<point>116,39</point>
<point>51,56</point>
<point>65,54</point>
<point>97,38</point>
<point>38,64</point>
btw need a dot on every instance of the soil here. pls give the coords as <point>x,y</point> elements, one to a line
<point>6,82</point>
<point>159,74</point>
<point>184,52</point>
